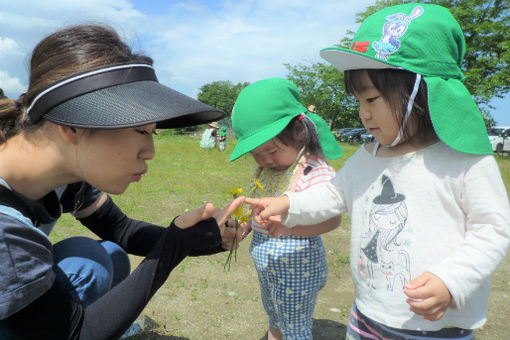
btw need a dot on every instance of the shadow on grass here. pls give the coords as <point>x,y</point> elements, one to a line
<point>325,330</point>
<point>322,330</point>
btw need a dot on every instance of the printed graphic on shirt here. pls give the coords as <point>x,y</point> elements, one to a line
<point>394,28</point>
<point>382,255</point>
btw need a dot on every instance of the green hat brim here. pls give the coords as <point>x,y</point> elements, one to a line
<point>259,137</point>
<point>345,59</point>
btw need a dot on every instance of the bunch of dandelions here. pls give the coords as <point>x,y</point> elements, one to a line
<point>240,217</point>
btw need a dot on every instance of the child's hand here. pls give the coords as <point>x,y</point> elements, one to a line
<point>265,207</point>
<point>428,296</point>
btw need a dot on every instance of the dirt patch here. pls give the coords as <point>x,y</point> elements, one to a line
<point>201,301</point>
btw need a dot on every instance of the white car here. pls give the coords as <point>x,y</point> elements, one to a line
<point>499,137</point>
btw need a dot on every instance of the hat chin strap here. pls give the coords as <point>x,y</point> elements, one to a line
<point>408,112</point>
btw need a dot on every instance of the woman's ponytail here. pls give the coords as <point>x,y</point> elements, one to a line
<point>11,117</point>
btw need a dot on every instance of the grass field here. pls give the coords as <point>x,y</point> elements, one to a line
<point>200,300</point>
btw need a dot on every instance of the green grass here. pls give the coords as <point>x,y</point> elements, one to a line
<point>182,177</point>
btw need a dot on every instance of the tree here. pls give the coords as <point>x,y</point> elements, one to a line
<point>321,84</point>
<point>221,94</point>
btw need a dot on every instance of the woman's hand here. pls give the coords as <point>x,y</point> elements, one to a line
<point>221,216</point>
<point>227,225</point>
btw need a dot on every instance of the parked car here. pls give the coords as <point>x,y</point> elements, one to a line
<point>499,137</point>
<point>354,136</point>
<point>367,137</point>
<point>340,134</point>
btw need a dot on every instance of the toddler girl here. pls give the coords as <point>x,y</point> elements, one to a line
<point>288,144</point>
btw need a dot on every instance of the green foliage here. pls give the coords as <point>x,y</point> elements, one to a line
<point>221,94</point>
<point>321,84</point>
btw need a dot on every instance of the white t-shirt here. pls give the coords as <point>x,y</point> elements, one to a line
<point>435,210</point>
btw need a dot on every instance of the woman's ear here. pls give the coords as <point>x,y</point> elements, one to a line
<point>69,134</point>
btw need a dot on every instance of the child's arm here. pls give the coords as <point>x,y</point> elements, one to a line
<point>309,207</point>
<point>276,229</point>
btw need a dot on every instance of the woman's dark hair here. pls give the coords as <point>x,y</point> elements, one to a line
<point>396,87</point>
<point>67,51</point>
<point>301,132</point>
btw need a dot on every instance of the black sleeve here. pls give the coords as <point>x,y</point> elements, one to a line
<point>78,196</point>
<point>135,237</point>
<point>56,316</point>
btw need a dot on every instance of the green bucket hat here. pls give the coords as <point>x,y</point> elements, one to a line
<point>264,108</point>
<point>427,40</point>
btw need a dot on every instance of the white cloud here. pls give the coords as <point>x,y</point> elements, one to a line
<point>11,85</point>
<point>245,40</point>
<point>9,47</point>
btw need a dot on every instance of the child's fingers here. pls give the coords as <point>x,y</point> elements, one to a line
<point>193,217</point>
<point>429,308</point>
<point>418,281</point>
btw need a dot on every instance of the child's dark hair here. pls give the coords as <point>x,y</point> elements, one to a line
<point>301,132</point>
<point>396,87</point>
<point>60,54</point>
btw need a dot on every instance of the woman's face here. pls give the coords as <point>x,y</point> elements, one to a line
<point>112,159</point>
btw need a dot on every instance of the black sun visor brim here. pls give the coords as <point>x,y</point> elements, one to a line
<point>114,104</point>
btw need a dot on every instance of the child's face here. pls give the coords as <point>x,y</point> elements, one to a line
<point>275,155</point>
<point>376,114</point>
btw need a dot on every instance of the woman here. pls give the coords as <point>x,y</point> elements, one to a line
<point>83,129</point>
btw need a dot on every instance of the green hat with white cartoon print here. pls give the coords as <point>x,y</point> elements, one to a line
<point>264,108</point>
<point>427,40</point>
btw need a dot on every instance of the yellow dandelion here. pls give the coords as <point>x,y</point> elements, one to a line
<point>236,191</point>
<point>257,184</point>
<point>239,213</point>
<point>244,218</point>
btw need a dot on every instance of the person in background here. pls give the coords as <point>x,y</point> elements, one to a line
<point>222,138</point>
<point>83,130</point>
<point>210,136</point>
<point>289,146</point>
<point>430,219</point>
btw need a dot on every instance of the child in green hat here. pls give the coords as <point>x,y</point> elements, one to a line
<point>288,144</point>
<point>222,138</point>
<point>430,219</point>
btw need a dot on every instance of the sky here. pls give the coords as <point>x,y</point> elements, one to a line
<point>192,42</point>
